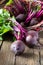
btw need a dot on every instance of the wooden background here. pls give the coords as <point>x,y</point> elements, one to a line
<point>27,58</point>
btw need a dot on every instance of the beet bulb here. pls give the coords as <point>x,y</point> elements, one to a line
<point>34,21</point>
<point>32,38</point>
<point>18,47</point>
<point>20,17</point>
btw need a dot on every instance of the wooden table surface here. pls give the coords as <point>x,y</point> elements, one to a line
<point>27,58</point>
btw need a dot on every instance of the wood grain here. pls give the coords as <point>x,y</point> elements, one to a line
<point>27,58</point>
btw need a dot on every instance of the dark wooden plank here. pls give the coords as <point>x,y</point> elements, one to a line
<point>6,56</point>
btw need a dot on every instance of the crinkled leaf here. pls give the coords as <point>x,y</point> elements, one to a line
<point>4,24</point>
<point>6,29</point>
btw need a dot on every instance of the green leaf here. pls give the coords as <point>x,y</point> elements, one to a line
<point>38,7</point>
<point>9,2</point>
<point>5,24</point>
<point>4,15</point>
<point>1,10</point>
<point>7,28</point>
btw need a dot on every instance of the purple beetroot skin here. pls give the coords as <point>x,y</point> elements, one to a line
<point>32,38</point>
<point>20,17</point>
<point>17,47</point>
<point>34,21</point>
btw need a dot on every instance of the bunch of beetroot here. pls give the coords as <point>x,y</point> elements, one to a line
<point>26,13</point>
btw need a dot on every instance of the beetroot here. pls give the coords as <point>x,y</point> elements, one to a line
<point>32,38</point>
<point>17,47</point>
